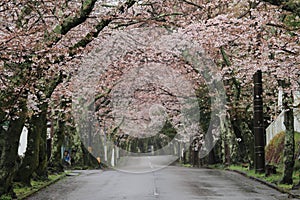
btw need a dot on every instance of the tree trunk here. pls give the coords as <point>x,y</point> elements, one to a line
<point>9,144</point>
<point>227,140</point>
<point>88,159</point>
<point>35,157</point>
<point>289,145</point>
<point>240,134</point>
<point>211,157</point>
<point>56,160</point>
<point>30,160</point>
<point>43,161</point>
<point>41,170</point>
<point>248,138</point>
<point>209,142</point>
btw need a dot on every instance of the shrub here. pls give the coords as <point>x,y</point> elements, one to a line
<point>274,150</point>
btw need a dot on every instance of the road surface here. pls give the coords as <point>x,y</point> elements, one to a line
<point>169,183</point>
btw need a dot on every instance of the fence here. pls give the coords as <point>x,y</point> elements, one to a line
<point>277,126</point>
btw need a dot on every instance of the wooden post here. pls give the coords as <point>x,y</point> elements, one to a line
<point>258,125</point>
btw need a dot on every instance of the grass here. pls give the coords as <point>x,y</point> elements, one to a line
<point>274,178</point>
<point>5,197</point>
<point>187,165</point>
<point>23,192</point>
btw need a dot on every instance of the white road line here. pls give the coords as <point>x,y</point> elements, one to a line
<point>150,164</point>
<point>155,192</point>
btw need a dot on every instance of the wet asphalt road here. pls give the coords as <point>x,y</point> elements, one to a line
<point>176,183</point>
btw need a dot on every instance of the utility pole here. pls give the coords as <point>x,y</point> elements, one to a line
<point>258,125</point>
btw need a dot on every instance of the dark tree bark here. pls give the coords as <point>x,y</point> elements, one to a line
<point>289,143</point>
<point>36,155</point>
<point>30,161</point>
<point>245,153</point>
<point>289,5</point>
<point>211,157</point>
<point>227,142</point>
<point>9,144</point>
<point>41,170</point>
<point>58,139</point>
<point>88,159</point>
<point>35,159</point>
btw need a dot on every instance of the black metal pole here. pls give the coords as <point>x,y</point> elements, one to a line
<point>258,124</point>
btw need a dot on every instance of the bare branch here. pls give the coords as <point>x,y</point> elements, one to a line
<point>288,51</point>
<point>252,6</point>
<point>283,27</point>
<point>193,4</point>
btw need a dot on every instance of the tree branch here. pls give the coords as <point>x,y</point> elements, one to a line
<point>90,36</point>
<point>71,22</point>
<point>288,51</point>
<point>289,5</point>
<point>225,57</point>
<point>283,27</point>
<point>253,5</point>
<point>100,26</point>
<point>53,84</point>
<point>127,24</point>
<point>193,4</point>
<point>155,18</point>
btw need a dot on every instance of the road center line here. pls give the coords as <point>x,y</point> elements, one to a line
<point>155,192</point>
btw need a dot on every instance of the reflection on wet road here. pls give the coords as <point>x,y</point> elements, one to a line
<point>176,183</point>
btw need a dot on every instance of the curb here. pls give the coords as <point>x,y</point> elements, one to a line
<point>273,186</point>
<point>266,183</point>
<point>42,187</point>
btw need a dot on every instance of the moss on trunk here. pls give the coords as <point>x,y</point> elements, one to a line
<point>41,170</point>
<point>289,143</point>
<point>9,144</point>
<point>35,159</point>
<point>56,161</point>
<point>30,160</point>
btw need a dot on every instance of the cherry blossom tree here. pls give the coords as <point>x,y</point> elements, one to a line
<point>42,43</point>
<point>38,41</point>
<point>241,37</point>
